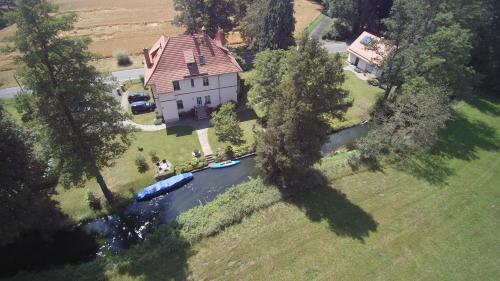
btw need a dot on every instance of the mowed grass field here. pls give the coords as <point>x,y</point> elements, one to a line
<point>129,25</point>
<point>432,218</point>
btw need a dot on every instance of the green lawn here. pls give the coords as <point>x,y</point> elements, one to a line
<point>247,119</point>
<point>432,218</point>
<point>365,96</point>
<point>175,145</point>
<point>144,118</point>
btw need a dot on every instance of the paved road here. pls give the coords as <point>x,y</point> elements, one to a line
<point>320,28</point>
<point>331,46</point>
<point>120,76</point>
<point>335,46</point>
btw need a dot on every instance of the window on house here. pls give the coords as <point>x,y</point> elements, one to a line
<point>176,85</point>
<point>207,100</point>
<point>202,60</point>
<point>205,81</point>
<point>192,82</point>
<point>180,105</point>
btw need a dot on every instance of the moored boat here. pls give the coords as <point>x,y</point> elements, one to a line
<point>225,164</point>
<point>163,186</point>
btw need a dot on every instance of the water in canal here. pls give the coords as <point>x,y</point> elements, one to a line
<point>140,218</point>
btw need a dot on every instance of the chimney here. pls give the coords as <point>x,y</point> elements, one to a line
<point>147,58</point>
<point>220,40</point>
<point>203,35</point>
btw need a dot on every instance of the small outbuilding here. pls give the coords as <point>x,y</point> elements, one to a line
<point>366,53</point>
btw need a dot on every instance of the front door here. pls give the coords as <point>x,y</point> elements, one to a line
<point>356,62</point>
<point>199,102</point>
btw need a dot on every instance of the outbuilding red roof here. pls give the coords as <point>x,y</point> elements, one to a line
<point>178,57</point>
<point>368,47</point>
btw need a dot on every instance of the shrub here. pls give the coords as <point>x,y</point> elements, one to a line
<point>141,78</point>
<point>154,156</point>
<point>122,57</point>
<point>227,209</point>
<point>94,201</point>
<point>142,165</point>
<point>165,174</point>
<point>373,82</point>
<point>158,121</point>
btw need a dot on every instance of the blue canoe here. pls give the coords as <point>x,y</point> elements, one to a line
<point>163,186</point>
<point>225,164</point>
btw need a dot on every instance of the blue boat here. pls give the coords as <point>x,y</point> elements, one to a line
<point>163,186</point>
<point>225,164</point>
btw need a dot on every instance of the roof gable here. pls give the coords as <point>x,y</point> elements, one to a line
<point>178,57</point>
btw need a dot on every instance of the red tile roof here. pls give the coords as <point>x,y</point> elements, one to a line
<point>169,56</point>
<point>371,53</point>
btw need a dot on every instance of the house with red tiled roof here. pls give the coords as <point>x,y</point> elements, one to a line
<point>366,53</point>
<point>190,72</point>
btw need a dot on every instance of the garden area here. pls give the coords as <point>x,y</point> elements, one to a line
<point>124,178</point>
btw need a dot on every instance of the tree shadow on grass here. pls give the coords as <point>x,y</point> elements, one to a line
<point>246,115</point>
<point>180,131</point>
<point>462,139</point>
<point>321,202</point>
<point>487,105</point>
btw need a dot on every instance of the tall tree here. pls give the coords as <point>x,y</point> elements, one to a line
<point>211,14</point>
<point>81,121</point>
<point>297,126</point>
<point>359,15</point>
<point>251,24</point>
<point>226,125</point>
<point>269,69</point>
<point>427,64</point>
<point>278,25</point>
<point>269,24</point>
<point>22,205</point>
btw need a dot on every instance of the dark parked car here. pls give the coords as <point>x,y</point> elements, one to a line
<point>132,97</point>
<point>142,106</point>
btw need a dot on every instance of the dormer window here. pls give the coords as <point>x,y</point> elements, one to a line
<point>201,59</point>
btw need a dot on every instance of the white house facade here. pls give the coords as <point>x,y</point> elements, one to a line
<point>190,72</point>
<point>209,91</point>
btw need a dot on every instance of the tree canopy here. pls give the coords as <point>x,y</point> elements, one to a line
<point>297,126</point>
<point>23,205</point>
<point>269,24</point>
<point>72,103</point>
<point>226,125</point>
<point>359,15</point>
<point>269,69</point>
<point>428,64</point>
<point>211,14</point>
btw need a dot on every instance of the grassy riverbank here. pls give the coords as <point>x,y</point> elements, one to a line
<point>433,216</point>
